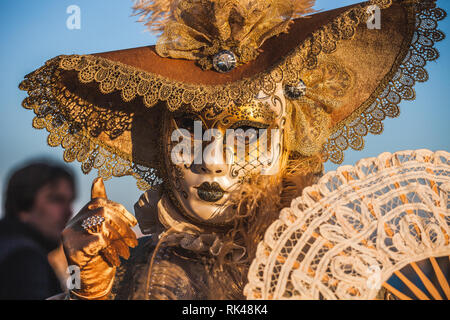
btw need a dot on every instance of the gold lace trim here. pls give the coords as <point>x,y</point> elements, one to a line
<point>82,145</point>
<point>74,124</point>
<point>397,86</point>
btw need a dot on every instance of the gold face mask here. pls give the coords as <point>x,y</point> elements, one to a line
<point>218,151</point>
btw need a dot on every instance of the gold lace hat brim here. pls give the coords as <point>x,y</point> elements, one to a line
<point>106,109</point>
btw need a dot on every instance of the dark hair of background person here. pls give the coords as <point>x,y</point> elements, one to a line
<point>24,184</point>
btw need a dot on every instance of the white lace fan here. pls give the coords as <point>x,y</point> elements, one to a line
<point>377,229</point>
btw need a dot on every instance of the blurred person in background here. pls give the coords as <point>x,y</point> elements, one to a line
<point>38,204</point>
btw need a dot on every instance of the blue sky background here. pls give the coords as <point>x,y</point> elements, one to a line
<point>32,32</point>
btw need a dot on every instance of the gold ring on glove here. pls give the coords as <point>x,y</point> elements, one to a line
<point>93,223</point>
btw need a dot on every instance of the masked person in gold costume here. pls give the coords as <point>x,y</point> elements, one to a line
<point>223,123</point>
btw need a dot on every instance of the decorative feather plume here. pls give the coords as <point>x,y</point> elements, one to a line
<point>156,13</point>
<point>198,29</point>
<point>303,7</point>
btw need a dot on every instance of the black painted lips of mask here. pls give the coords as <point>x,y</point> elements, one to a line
<point>210,192</point>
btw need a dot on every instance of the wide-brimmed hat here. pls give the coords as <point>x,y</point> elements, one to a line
<point>106,109</point>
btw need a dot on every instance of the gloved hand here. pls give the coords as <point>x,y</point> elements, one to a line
<point>94,239</point>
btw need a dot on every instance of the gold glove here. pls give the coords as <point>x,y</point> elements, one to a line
<point>94,239</point>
